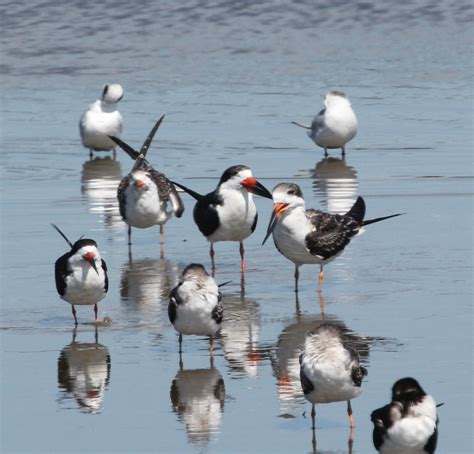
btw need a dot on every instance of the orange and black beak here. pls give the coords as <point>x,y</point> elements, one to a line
<point>253,186</point>
<point>139,184</point>
<point>90,257</point>
<point>278,210</point>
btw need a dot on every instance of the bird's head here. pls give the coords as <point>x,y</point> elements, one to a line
<point>140,181</point>
<point>240,178</point>
<point>86,250</point>
<point>112,93</point>
<point>336,98</point>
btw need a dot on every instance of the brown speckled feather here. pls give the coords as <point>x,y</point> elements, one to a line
<point>122,187</point>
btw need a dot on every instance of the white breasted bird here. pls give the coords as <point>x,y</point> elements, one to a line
<point>335,125</point>
<point>312,236</point>
<point>408,424</point>
<point>81,274</point>
<point>330,370</point>
<point>144,194</point>
<point>228,213</point>
<point>102,120</point>
<point>195,305</point>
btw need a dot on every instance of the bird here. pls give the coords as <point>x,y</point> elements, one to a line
<point>144,194</point>
<point>195,305</point>
<point>335,125</point>
<point>409,423</point>
<point>228,213</point>
<point>81,274</point>
<point>312,236</point>
<point>102,120</point>
<point>330,370</point>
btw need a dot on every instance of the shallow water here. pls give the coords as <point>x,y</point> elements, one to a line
<point>230,77</point>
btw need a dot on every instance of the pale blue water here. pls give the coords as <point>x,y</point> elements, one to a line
<point>231,76</point>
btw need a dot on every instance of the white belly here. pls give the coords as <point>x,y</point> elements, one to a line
<point>84,286</point>
<point>338,130</point>
<point>195,318</point>
<point>144,210</point>
<point>97,126</point>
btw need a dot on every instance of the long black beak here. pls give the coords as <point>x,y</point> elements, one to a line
<point>271,226</point>
<point>125,147</point>
<point>224,283</point>
<point>93,264</point>
<point>259,189</point>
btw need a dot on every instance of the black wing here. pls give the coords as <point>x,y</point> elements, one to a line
<point>218,311</point>
<point>357,371</point>
<point>318,122</point>
<point>381,420</point>
<point>122,187</point>
<point>306,383</point>
<point>205,213</point>
<point>173,304</point>
<point>430,446</point>
<point>331,234</point>
<point>106,284</point>
<point>167,191</point>
<point>61,272</point>
<point>254,225</point>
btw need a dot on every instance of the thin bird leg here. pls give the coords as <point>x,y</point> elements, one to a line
<point>297,277</point>
<point>74,332</point>
<point>95,312</point>
<point>321,277</point>
<point>350,442</point>
<point>321,303</point>
<point>74,314</point>
<point>211,345</point>
<point>180,361</point>
<point>242,259</point>
<point>90,153</point>
<point>114,154</point>
<point>349,413</point>
<point>212,254</point>
<point>313,441</point>
<point>313,417</point>
<point>326,152</point>
<point>343,151</point>
<point>129,235</point>
<point>180,339</point>
<point>96,335</point>
<point>162,242</point>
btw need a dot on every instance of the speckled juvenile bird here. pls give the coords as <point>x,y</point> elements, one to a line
<point>330,370</point>
<point>335,125</point>
<point>81,274</point>
<point>408,424</point>
<point>312,236</point>
<point>228,213</point>
<point>144,194</point>
<point>195,305</point>
<point>102,120</point>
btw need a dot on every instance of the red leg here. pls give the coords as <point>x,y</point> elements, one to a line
<point>242,258</point>
<point>321,277</point>
<point>349,413</point>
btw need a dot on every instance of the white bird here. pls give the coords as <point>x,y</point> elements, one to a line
<point>195,305</point>
<point>330,371</point>
<point>228,213</point>
<point>81,274</point>
<point>335,125</point>
<point>409,424</point>
<point>144,193</point>
<point>102,120</point>
<point>312,236</point>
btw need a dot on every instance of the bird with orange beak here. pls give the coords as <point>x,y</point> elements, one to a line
<point>228,213</point>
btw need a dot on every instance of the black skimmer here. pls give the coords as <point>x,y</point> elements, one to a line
<point>81,274</point>
<point>228,213</point>
<point>312,236</point>
<point>102,120</point>
<point>195,305</point>
<point>84,372</point>
<point>409,424</point>
<point>335,125</point>
<point>330,370</point>
<point>144,193</point>
<point>198,397</point>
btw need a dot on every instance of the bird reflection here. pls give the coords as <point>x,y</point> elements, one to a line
<point>84,373</point>
<point>99,181</point>
<point>240,334</point>
<point>197,397</point>
<point>144,285</point>
<point>289,347</point>
<point>337,182</point>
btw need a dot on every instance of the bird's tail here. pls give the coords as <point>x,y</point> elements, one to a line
<point>125,147</point>
<point>357,212</point>
<point>300,125</point>
<point>192,193</point>
<point>373,221</point>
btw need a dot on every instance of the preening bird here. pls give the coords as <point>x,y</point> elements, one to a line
<point>102,120</point>
<point>408,424</point>
<point>144,194</point>
<point>81,274</point>
<point>312,236</point>
<point>335,125</point>
<point>228,213</point>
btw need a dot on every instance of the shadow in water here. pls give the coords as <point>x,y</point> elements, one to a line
<point>336,182</point>
<point>197,397</point>
<point>99,181</point>
<point>145,286</point>
<point>84,373</point>
<point>240,334</point>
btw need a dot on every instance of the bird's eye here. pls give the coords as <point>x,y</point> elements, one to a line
<point>291,192</point>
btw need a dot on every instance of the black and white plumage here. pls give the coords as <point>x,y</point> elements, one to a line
<point>195,305</point>
<point>312,236</point>
<point>335,125</point>
<point>330,370</point>
<point>144,194</point>
<point>408,424</point>
<point>81,274</point>
<point>102,120</point>
<point>228,213</point>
